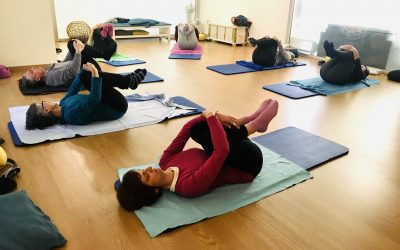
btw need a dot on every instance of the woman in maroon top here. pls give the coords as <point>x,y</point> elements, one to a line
<point>227,157</point>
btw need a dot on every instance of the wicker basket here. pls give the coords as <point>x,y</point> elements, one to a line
<point>78,30</point>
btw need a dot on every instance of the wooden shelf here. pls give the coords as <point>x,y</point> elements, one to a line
<point>228,34</point>
<point>163,31</point>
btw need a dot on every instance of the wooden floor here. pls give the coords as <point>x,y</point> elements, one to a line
<point>351,203</point>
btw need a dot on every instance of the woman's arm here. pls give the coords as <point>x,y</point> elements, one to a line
<point>74,88</point>
<point>73,67</point>
<point>180,140</point>
<point>94,96</point>
<point>202,179</point>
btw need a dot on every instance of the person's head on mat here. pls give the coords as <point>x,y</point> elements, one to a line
<point>42,115</point>
<point>34,77</point>
<point>365,70</point>
<point>56,74</point>
<point>103,103</point>
<point>226,156</point>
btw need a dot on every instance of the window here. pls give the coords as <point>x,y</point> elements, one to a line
<point>312,17</point>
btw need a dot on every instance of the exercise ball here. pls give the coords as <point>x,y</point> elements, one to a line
<point>78,30</point>
<point>202,36</point>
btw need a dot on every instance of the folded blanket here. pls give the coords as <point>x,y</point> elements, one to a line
<point>318,85</point>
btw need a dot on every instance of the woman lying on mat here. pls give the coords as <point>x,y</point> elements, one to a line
<point>270,52</point>
<point>101,104</point>
<point>344,65</point>
<point>186,36</point>
<point>63,73</point>
<point>227,157</point>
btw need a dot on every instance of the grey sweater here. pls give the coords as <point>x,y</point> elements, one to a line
<point>187,39</point>
<point>283,56</point>
<point>63,73</point>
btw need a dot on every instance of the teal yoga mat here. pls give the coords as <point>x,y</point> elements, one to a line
<point>173,211</point>
<point>317,85</point>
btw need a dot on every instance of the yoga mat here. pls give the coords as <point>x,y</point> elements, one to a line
<point>185,56</point>
<point>41,90</point>
<point>303,148</point>
<point>287,89</point>
<point>197,51</point>
<point>123,63</point>
<point>96,128</point>
<point>319,86</point>
<point>230,69</point>
<point>118,59</point>
<point>150,77</point>
<point>172,211</point>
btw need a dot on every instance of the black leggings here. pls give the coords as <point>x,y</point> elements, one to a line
<point>106,46</point>
<point>265,52</point>
<point>109,95</point>
<point>341,69</point>
<point>102,48</point>
<point>243,153</point>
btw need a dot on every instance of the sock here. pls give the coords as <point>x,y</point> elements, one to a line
<point>247,119</point>
<point>107,30</point>
<point>260,124</point>
<point>136,77</point>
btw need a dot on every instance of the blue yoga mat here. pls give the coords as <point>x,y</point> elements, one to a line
<point>177,99</point>
<point>289,90</point>
<point>305,149</point>
<point>172,211</point>
<point>150,77</point>
<point>230,69</point>
<point>124,63</point>
<point>319,86</point>
<point>185,56</point>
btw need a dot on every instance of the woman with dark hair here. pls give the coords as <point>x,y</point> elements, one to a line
<point>227,157</point>
<point>344,66</point>
<point>63,73</point>
<point>270,52</point>
<point>103,103</point>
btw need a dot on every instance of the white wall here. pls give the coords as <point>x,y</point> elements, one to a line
<point>99,11</point>
<point>27,33</point>
<point>269,17</point>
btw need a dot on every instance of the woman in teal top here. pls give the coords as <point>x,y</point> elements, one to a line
<point>101,104</point>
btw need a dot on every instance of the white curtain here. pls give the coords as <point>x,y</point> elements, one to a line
<point>311,17</point>
<point>99,11</point>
